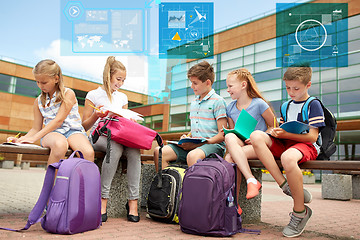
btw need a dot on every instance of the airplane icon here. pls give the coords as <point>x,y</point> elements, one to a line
<point>198,17</point>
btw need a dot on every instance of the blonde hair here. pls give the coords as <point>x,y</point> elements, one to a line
<point>50,68</point>
<point>303,74</point>
<point>252,90</point>
<point>111,66</point>
<point>203,71</point>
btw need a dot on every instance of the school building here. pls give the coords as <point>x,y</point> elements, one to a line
<point>252,45</point>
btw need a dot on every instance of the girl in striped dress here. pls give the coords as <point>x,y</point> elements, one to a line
<point>57,122</point>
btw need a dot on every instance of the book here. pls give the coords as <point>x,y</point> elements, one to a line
<point>126,113</point>
<point>244,126</point>
<point>22,144</point>
<point>295,127</point>
<point>185,140</point>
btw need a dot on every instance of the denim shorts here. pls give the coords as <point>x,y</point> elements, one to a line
<point>67,134</point>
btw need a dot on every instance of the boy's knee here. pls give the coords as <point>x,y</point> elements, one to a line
<point>193,156</point>
<point>289,159</point>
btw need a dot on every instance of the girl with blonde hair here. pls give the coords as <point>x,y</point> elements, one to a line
<point>106,96</point>
<point>57,109</point>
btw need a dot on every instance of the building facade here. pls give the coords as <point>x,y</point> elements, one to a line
<point>253,46</point>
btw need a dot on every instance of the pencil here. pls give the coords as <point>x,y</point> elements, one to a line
<point>17,136</point>
<point>189,134</point>
<point>274,122</point>
<point>95,107</point>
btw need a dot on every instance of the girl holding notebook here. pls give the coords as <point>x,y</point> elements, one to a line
<point>243,90</point>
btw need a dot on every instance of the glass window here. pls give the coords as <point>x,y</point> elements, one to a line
<point>26,87</point>
<point>349,84</point>
<point>329,99</point>
<point>237,53</point>
<point>328,87</point>
<point>178,121</point>
<point>350,97</point>
<point>314,90</point>
<point>349,110</point>
<point>5,82</point>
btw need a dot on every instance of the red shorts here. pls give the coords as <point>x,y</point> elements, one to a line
<point>281,145</point>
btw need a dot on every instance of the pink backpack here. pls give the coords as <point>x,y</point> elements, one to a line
<point>125,132</point>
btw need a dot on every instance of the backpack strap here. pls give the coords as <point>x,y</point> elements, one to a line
<point>35,214</point>
<point>284,109</point>
<point>305,109</point>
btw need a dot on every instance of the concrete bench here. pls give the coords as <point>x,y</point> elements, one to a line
<point>251,208</point>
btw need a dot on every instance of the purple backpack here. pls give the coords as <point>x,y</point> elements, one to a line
<point>73,203</point>
<point>208,205</point>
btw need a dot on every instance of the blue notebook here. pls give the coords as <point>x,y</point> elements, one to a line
<point>244,126</point>
<point>185,140</point>
<point>295,127</point>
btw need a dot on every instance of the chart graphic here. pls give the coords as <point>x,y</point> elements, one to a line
<point>314,33</point>
<point>186,30</point>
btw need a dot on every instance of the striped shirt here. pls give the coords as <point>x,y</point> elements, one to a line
<point>205,113</point>
<point>72,121</point>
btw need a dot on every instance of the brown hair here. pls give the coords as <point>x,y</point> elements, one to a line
<point>303,74</point>
<point>203,71</point>
<point>111,66</point>
<point>252,90</point>
<point>51,68</point>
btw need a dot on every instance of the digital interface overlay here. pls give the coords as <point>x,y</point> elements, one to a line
<point>314,33</point>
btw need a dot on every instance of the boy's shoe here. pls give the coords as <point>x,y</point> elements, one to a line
<point>307,194</point>
<point>253,189</point>
<point>297,224</point>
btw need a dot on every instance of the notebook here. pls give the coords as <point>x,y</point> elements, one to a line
<point>191,140</point>
<point>295,127</point>
<point>244,126</point>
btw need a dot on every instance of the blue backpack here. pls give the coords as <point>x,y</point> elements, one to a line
<point>326,141</point>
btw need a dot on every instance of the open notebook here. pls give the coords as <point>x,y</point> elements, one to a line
<point>295,127</point>
<point>244,126</point>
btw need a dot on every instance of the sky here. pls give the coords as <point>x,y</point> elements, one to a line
<point>30,32</point>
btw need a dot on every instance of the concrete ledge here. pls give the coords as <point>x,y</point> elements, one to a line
<point>25,165</point>
<point>7,164</point>
<point>356,186</point>
<point>336,186</point>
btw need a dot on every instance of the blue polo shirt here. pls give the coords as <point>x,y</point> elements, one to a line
<point>205,113</point>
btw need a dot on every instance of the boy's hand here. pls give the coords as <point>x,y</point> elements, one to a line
<point>12,139</point>
<point>278,133</point>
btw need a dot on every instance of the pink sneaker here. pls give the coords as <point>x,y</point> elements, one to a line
<point>253,189</point>
<point>239,210</point>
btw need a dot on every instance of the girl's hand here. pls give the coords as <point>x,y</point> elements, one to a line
<point>247,141</point>
<point>12,139</point>
<point>25,139</point>
<point>101,114</point>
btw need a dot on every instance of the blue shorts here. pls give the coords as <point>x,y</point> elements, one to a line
<point>67,134</point>
<point>206,148</point>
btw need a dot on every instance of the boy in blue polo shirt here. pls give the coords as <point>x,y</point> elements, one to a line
<point>291,148</point>
<point>207,116</point>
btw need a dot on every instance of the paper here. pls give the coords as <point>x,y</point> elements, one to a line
<point>185,140</point>
<point>22,144</point>
<point>295,127</point>
<point>244,126</point>
<point>126,113</point>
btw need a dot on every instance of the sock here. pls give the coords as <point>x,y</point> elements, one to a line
<point>251,180</point>
<point>300,214</point>
<point>283,184</point>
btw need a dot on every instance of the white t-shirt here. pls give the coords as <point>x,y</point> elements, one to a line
<point>99,97</point>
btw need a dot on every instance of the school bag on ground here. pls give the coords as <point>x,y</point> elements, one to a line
<point>208,205</point>
<point>163,197</point>
<point>327,133</point>
<point>73,203</point>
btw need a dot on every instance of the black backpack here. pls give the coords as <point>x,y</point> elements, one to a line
<point>327,133</point>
